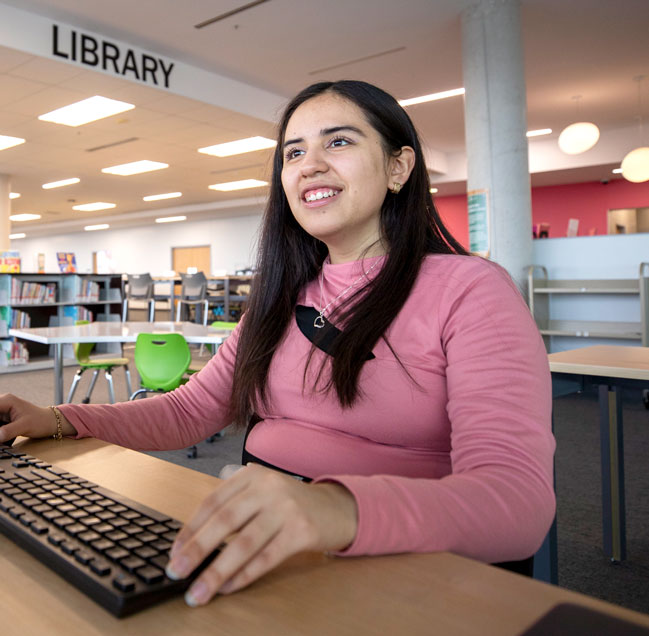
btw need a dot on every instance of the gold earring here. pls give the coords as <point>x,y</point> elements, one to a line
<point>396,188</point>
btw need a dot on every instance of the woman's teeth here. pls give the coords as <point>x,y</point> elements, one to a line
<point>315,196</point>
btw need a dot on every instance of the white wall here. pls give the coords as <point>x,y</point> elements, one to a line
<point>148,248</point>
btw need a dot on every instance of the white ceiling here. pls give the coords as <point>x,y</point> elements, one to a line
<point>592,48</point>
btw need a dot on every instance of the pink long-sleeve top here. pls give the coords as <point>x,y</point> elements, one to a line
<point>456,457</point>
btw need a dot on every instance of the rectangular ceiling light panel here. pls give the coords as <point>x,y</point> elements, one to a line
<point>160,197</point>
<point>170,219</point>
<point>60,184</point>
<point>239,147</point>
<point>24,217</point>
<point>86,110</point>
<point>93,207</point>
<point>238,185</point>
<point>135,167</point>
<point>92,228</point>
<point>9,142</point>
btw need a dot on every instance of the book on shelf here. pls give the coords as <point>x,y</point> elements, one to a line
<point>9,261</point>
<point>67,262</point>
<point>13,352</point>
<point>30,293</point>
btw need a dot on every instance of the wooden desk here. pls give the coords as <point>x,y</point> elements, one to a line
<point>611,369</point>
<point>309,594</point>
<point>111,332</point>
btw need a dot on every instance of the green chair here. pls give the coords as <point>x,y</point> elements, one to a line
<point>162,360</point>
<point>82,353</point>
<point>220,324</point>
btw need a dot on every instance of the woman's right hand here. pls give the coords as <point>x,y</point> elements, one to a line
<point>27,419</point>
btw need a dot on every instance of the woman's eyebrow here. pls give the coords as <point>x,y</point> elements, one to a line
<point>327,131</point>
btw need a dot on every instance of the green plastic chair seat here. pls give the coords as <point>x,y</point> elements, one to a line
<point>162,360</point>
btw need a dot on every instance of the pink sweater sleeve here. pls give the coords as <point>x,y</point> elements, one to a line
<point>498,503</point>
<point>178,419</point>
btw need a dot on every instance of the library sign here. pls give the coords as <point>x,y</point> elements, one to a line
<point>99,53</point>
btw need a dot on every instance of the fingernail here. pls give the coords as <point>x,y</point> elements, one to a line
<point>175,548</point>
<point>196,595</point>
<point>178,568</point>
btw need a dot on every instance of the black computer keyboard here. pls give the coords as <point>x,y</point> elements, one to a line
<point>112,548</point>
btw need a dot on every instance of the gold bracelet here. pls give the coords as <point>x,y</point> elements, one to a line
<point>58,436</point>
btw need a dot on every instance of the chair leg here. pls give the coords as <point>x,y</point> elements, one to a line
<point>111,388</point>
<point>129,388</point>
<point>124,309</point>
<point>151,310</point>
<point>75,382</point>
<point>95,373</point>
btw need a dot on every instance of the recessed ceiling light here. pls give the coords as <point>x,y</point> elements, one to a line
<point>10,142</point>
<point>18,235</point>
<point>135,167</point>
<point>92,228</point>
<point>617,171</point>
<point>159,197</point>
<point>14,195</point>
<point>239,146</point>
<point>433,190</point>
<point>86,110</point>
<point>60,184</point>
<point>170,219</point>
<point>432,97</point>
<point>539,132</point>
<point>24,217</point>
<point>238,185</point>
<point>93,207</point>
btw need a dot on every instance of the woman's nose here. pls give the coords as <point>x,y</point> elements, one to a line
<point>312,163</point>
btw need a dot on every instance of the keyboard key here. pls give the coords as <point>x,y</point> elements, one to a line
<point>146,552</point>
<point>56,538</point>
<point>83,556</point>
<point>116,535</point>
<point>150,574</point>
<point>131,544</point>
<point>75,528</point>
<point>124,583</point>
<point>102,545</point>
<point>117,553</point>
<point>100,567</point>
<point>69,547</point>
<point>132,563</point>
<point>39,527</point>
<point>88,536</point>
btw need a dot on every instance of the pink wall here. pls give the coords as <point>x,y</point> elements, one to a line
<point>588,202</point>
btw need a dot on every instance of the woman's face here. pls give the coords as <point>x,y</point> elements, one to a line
<point>335,175</point>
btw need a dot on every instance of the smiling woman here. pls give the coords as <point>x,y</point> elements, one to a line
<point>399,379</point>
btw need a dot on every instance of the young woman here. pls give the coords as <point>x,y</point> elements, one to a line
<point>403,378</point>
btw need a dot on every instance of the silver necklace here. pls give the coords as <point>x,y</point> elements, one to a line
<point>319,321</point>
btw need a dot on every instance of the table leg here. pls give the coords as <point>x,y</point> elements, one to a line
<point>58,373</point>
<point>172,297</point>
<point>612,451</point>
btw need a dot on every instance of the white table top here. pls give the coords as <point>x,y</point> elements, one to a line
<point>120,332</point>
<point>612,361</point>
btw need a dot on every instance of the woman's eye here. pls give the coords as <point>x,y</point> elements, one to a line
<point>339,142</point>
<point>291,153</point>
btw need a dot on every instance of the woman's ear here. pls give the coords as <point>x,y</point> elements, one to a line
<point>401,166</point>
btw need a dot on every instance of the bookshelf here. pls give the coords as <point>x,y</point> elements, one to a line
<point>603,302</point>
<point>40,300</point>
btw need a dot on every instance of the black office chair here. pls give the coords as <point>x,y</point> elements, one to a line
<point>139,287</point>
<point>193,293</point>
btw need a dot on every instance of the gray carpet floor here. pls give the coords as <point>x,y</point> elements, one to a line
<point>582,564</point>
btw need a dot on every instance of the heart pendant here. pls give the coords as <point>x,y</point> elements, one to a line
<point>319,322</point>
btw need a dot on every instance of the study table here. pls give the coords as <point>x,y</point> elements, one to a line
<point>111,332</point>
<point>309,594</point>
<point>611,369</point>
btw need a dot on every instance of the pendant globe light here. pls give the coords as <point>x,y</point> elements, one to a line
<point>635,166</point>
<point>578,137</point>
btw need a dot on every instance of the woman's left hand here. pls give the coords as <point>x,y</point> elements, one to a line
<point>269,517</point>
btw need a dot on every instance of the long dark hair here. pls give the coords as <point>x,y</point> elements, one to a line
<point>289,258</point>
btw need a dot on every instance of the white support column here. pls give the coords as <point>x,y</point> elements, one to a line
<point>495,116</point>
<point>5,211</point>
